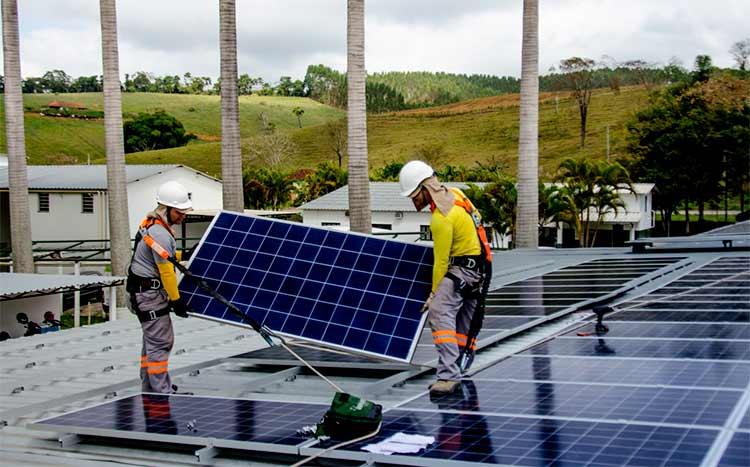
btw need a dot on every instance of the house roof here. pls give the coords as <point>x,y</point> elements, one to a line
<point>384,196</point>
<point>84,177</point>
<point>70,105</point>
<point>18,285</point>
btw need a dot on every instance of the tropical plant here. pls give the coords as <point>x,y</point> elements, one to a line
<point>360,216</point>
<point>266,188</point>
<point>20,220</point>
<point>325,179</point>
<point>496,203</point>
<point>117,194</point>
<point>527,232</point>
<point>387,173</point>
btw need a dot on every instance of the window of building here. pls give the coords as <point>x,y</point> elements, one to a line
<point>43,199</point>
<point>382,226</point>
<point>425,233</point>
<point>87,202</point>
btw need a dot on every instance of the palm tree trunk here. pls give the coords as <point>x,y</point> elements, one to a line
<point>360,216</point>
<point>528,145</point>
<point>18,187</point>
<point>231,157</point>
<point>117,194</point>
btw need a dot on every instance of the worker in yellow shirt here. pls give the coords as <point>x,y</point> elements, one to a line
<point>460,274</point>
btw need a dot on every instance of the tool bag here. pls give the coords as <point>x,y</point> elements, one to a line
<point>349,417</point>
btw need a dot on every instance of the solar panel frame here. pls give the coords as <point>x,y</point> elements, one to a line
<point>276,290</point>
<point>284,418</point>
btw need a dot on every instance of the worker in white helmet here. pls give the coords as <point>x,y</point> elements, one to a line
<point>152,284</point>
<point>460,274</point>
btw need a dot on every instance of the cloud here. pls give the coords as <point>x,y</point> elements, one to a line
<point>281,38</point>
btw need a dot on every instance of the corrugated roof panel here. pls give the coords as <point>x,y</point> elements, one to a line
<point>18,283</point>
<point>79,177</point>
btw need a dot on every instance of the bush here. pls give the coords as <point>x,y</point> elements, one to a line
<point>157,130</point>
<point>71,113</point>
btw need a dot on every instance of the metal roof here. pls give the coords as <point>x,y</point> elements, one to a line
<point>83,177</point>
<point>18,285</point>
<point>48,374</point>
<point>384,196</point>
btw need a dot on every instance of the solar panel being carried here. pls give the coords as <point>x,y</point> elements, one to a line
<point>341,289</point>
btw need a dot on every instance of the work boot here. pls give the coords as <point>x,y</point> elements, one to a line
<point>443,387</point>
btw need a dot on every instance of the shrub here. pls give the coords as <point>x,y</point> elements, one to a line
<point>157,130</point>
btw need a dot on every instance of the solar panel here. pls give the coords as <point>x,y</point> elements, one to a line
<point>193,420</point>
<point>686,373</point>
<point>340,289</point>
<point>491,439</point>
<point>714,316</point>
<point>706,407</point>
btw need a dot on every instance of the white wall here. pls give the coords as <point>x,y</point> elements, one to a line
<point>34,307</point>
<point>409,222</point>
<point>66,219</point>
<point>205,192</point>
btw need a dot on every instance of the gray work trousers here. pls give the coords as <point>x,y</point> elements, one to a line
<point>158,339</point>
<point>449,318</point>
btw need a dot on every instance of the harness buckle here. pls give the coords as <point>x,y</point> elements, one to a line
<point>155,284</point>
<point>471,263</point>
<point>152,315</point>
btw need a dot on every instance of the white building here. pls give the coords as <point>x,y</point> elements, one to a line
<point>69,202</point>
<point>391,211</point>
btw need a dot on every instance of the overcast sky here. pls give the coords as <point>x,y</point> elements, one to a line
<point>282,37</point>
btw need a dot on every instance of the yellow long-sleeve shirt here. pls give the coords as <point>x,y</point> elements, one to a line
<point>452,235</point>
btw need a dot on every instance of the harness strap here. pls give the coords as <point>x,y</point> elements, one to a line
<point>464,202</point>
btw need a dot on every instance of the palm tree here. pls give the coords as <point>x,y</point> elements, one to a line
<point>527,233</point>
<point>117,195</point>
<point>18,187</point>
<point>360,216</point>
<point>231,157</point>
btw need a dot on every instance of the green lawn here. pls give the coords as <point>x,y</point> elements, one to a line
<point>461,136</point>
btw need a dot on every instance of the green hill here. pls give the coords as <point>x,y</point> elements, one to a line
<point>462,133</point>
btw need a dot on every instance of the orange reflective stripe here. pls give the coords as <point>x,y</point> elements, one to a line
<point>162,363</point>
<point>144,358</point>
<point>446,332</point>
<point>156,371</point>
<point>444,340</point>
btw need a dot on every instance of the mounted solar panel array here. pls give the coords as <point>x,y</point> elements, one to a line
<point>618,399</point>
<point>527,303</point>
<point>344,290</point>
<point>633,396</point>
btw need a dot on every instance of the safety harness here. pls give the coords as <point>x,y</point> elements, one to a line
<point>137,284</point>
<point>482,264</point>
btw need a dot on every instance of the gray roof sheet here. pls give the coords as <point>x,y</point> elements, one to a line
<point>384,196</point>
<point>16,283</point>
<point>80,177</point>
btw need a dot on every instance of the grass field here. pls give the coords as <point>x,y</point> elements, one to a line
<point>464,133</point>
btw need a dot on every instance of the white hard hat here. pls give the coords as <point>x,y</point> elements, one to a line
<point>174,195</point>
<point>412,174</point>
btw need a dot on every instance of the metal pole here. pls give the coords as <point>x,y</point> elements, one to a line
<point>77,298</point>
<point>113,303</point>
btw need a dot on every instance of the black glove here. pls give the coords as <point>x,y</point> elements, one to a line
<point>186,255</point>
<point>180,308</point>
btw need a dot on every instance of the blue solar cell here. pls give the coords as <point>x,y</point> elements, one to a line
<point>737,453</point>
<point>657,348</point>
<point>214,418</point>
<point>284,275</point>
<point>708,407</point>
<point>491,439</point>
<point>745,424</point>
<point>688,373</point>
